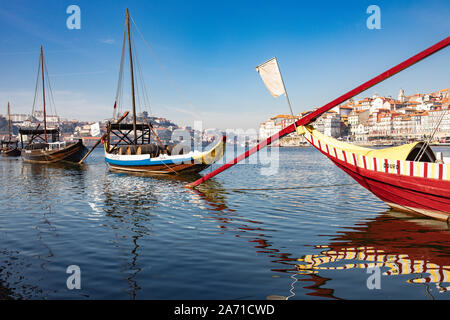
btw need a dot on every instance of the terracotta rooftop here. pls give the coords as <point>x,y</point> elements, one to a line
<point>284,116</point>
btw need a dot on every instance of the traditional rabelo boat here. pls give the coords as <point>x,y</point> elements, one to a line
<point>407,178</point>
<point>10,148</point>
<point>130,147</point>
<point>44,145</point>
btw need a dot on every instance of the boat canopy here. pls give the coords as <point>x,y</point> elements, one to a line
<point>38,135</point>
<point>8,142</point>
<point>29,132</point>
<point>404,152</point>
<point>129,126</point>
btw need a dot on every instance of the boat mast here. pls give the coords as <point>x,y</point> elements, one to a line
<point>43,95</point>
<point>132,77</point>
<point>9,123</point>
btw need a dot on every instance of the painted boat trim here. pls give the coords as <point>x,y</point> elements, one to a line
<point>437,171</point>
<point>193,157</point>
<point>145,160</point>
<point>414,187</point>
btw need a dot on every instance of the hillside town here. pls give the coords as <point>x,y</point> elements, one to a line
<point>372,120</point>
<point>377,120</point>
<point>89,132</point>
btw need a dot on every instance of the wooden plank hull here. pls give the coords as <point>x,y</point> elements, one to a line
<point>185,168</point>
<point>11,153</point>
<point>185,164</point>
<point>73,152</point>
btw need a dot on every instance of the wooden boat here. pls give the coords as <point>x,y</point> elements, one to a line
<point>391,174</point>
<point>44,145</point>
<point>129,147</point>
<point>50,152</point>
<point>150,158</point>
<point>10,148</point>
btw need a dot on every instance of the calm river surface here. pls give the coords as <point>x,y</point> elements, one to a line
<point>306,232</point>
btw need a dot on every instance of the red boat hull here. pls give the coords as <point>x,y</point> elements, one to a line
<point>423,196</point>
<point>405,190</point>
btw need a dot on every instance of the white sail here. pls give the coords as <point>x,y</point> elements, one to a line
<point>270,74</point>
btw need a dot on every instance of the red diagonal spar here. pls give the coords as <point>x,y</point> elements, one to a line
<point>313,115</point>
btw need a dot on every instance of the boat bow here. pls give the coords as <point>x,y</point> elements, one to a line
<point>410,186</point>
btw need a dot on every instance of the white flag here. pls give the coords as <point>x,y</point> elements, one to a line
<point>95,129</point>
<point>270,73</point>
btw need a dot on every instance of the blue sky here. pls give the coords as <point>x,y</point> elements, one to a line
<point>210,50</point>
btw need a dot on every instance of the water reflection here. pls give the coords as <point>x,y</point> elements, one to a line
<point>129,202</point>
<point>40,191</point>
<point>211,195</point>
<point>47,180</point>
<point>138,223</point>
<point>14,266</point>
<point>399,244</point>
<point>213,198</point>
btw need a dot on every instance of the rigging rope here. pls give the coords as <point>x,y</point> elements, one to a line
<point>51,100</point>
<point>146,100</point>
<point>141,96</point>
<point>119,91</point>
<point>427,143</point>
<point>36,88</point>
<point>163,69</point>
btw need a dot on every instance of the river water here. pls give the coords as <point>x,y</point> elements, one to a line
<point>307,231</point>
